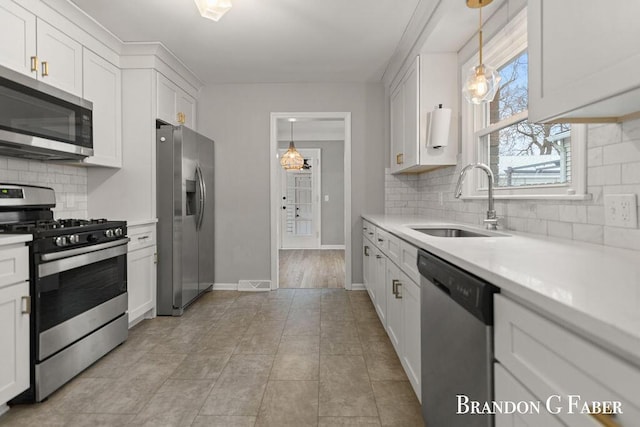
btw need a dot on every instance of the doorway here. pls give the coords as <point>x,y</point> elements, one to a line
<point>300,217</point>
<point>311,209</point>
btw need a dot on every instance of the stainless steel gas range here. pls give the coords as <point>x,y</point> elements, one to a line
<point>78,286</point>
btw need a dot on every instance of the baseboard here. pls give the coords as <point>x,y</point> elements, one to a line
<point>332,247</point>
<point>225,286</point>
<point>358,287</point>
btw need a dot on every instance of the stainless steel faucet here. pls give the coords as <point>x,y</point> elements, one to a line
<point>491,221</point>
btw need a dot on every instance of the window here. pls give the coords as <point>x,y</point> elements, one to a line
<point>528,160</point>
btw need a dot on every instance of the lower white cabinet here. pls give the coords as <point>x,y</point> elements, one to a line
<point>394,306</point>
<point>141,273</point>
<point>403,323</point>
<point>549,360</point>
<point>15,306</point>
<point>388,271</point>
<point>508,389</point>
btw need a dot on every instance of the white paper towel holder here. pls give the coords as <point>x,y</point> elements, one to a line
<point>439,122</point>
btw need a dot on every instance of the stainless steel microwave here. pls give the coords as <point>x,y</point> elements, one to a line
<point>39,121</point>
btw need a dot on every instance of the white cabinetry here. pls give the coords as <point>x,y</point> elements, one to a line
<point>35,48</point>
<point>60,59</point>
<point>103,87</point>
<point>389,264</point>
<point>430,81</point>
<point>18,26</point>
<point>580,68</point>
<point>548,360</point>
<point>404,120</point>
<point>15,306</point>
<point>175,106</point>
<point>141,272</point>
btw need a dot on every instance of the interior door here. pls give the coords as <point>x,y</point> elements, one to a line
<point>300,213</point>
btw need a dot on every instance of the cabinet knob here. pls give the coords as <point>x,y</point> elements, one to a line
<point>378,256</point>
<point>182,118</point>
<point>34,64</point>
<point>399,158</point>
<point>45,68</point>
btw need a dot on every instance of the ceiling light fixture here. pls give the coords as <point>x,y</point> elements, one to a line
<point>213,9</point>
<point>292,159</point>
<point>482,81</point>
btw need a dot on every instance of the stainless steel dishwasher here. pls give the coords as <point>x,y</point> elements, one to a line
<point>457,343</point>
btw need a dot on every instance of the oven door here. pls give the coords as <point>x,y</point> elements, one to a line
<point>78,291</point>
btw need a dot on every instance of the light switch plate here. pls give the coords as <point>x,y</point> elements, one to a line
<point>621,210</point>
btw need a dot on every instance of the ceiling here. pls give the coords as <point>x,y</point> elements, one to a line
<point>267,41</point>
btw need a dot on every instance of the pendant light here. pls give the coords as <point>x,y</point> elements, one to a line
<point>482,81</point>
<point>292,159</point>
<point>213,9</point>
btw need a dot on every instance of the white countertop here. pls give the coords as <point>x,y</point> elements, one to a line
<point>592,289</point>
<point>11,239</point>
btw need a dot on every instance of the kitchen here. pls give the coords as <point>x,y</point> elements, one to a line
<point>561,291</point>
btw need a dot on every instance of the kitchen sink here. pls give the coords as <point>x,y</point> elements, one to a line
<point>454,232</point>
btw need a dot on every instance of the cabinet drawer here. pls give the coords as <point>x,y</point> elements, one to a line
<point>368,230</point>
<point>508,388</point>
<point>141,236</point>
<point>388,244</point>
<point>550,360</point>
<point>409,261</point>
<point>14,264</point>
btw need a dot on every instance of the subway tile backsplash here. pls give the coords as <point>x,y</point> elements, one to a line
<point>69,182</point>
<point>613,167</point>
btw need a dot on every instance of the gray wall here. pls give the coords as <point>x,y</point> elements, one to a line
<point>237,117</point>
<point>332,185</point>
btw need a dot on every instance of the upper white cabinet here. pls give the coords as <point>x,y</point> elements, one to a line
<point>103,86</point>
<point>429,82</point>
<point>175,106</point>
<point>59,59</point>
<point>19,26</point>
<point>583,60</point>
<point>35,48</point>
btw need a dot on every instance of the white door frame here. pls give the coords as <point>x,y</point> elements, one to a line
<point>316,190</point>
<point>275,189</point>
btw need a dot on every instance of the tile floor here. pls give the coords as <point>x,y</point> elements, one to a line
<point>303,357</point>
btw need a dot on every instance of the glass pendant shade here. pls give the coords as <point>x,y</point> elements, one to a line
<point>213,9</point>
<point>292,159</point>
<point>481,84</point>
<point>483,81</point>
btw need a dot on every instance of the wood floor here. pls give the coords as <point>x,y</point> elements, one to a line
<point>312,268</point>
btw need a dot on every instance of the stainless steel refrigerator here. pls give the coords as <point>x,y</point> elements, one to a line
<point>185,217</point>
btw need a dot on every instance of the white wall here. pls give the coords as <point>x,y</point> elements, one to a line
<point>69,183</point>
<point>237,117</point>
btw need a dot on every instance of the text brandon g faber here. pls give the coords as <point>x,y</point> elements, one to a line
<point>554,404</point>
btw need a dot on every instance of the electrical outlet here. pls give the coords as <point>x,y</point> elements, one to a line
<point>326,197</point>
<point>621,210</point>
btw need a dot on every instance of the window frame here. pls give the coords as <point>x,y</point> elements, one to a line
<point>504,46</point>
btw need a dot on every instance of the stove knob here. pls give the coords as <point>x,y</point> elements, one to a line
<point>74,238</point>
<point>92,238</point>
<point>61,241</point>
<point>118,232</point>
<point>108,233</point>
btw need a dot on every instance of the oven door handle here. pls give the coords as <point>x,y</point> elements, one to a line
<point>79,251</point>
<point>69,263</point>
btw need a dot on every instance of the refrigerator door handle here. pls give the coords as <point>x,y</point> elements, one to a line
<point>203,197</point>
